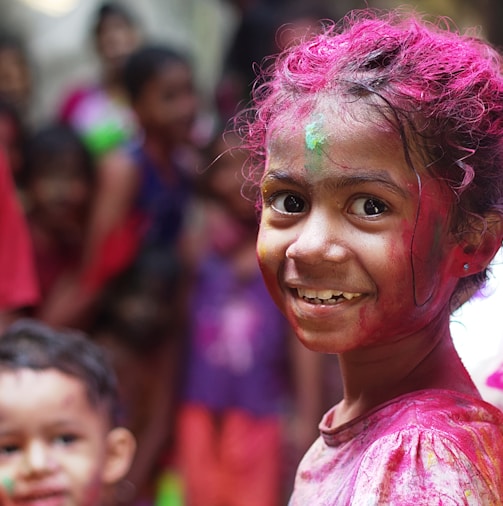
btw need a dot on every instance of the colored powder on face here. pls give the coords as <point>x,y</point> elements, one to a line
<point>8,485</point>
<point>261,249</point>
<point>315,138</point>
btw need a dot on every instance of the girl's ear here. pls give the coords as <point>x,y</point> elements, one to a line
<point>481,244</point>
<point>121,446</point>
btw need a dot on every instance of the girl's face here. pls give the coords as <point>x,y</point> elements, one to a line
<point>350,250</point>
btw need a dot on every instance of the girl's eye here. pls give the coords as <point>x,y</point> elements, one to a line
<point>288,203</point>
<point>368,206</point>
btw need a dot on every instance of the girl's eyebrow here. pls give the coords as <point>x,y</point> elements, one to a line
<point>356,177</point>
<point>283,176</point>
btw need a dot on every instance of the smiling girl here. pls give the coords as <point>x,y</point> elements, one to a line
<point>378,148</point>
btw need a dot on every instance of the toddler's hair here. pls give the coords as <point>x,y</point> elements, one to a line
<point>442,90</point>
<point>30,344</point>
<point>145,63</point>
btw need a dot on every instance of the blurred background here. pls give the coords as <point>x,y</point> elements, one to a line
<point>141,238</point>
<point>57,33</point>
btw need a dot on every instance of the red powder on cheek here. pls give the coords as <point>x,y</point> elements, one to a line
<point>407,232</point>
<point>362,319</point>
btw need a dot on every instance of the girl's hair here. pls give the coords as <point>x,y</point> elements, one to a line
<point>442,91</point>
<point>30,344</point>
<point>144,64</point>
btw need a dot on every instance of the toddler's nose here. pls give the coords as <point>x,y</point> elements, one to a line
<point>38,459</point>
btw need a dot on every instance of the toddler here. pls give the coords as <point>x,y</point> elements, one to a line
<point>59,442</point>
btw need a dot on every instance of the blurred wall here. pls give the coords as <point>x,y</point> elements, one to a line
<point>63,55</point>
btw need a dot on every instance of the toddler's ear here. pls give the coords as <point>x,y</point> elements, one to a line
<point>481,244</point>
<point>121,446</point>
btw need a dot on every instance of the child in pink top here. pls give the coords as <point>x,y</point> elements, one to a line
<point>19,288</point>
<point>378,149</point>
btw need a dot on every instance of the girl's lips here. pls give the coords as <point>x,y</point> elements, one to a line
<point>41,498</point>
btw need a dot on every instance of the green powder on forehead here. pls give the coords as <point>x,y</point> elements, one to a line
<point>315,137</point>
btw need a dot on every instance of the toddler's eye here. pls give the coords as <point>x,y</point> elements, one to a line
<point>288,203</point>
<point>368,206</point>
<point>8,449</point>
<point>65,439</point>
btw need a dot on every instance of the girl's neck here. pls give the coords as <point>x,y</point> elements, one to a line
<point>416,363</point>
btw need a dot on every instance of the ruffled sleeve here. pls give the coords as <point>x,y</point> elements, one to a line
<point>416,467</point>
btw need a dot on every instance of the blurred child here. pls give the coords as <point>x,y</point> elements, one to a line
<point>58,181</point>
<point>145,188</point>
<point>19,290</point>
<point>16,75</point>
<point>145,191</point>
<point>100,112</point>
<point>135,324</point>
<point>59,438</point>
<point>264,28</point>
<point>12,139</point>
<point>378,149</point>
<point>237,398</point>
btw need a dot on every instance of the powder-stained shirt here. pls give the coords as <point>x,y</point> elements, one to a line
<point>433,447</point>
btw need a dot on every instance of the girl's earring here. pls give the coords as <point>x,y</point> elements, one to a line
<point>466,267</point>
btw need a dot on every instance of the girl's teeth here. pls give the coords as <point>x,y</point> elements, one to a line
<point>325,295</point>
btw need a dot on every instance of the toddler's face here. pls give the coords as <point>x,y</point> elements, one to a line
<point>53,442</point>
<point>350,252</point>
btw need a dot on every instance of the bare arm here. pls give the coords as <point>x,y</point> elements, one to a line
<point>117,183</point>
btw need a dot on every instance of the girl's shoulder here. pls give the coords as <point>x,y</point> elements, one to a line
<point>447,446</point>
<point>434,444</point>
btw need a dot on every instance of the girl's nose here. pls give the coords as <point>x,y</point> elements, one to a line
<point>320,239</point>
<point>37,459</point>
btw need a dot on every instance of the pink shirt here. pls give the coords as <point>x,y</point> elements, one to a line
<point>433,447</point>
